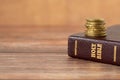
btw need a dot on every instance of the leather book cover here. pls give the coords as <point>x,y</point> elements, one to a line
<point>105,50</point>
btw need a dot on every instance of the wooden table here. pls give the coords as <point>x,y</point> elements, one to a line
<point>33,53</point>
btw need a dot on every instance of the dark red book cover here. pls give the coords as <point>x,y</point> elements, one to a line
<point>106,50</point>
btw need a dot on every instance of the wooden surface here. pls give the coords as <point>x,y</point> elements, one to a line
<point>50,61</point>
<point>33,38</point>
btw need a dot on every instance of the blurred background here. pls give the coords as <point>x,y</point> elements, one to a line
<point>50,22</point>
<point>57,13</point>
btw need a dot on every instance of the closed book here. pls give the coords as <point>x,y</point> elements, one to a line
<point>105,50</point>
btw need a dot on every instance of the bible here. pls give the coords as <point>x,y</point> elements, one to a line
<point>98,49</point>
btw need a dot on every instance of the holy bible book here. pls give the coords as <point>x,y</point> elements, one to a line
<point>99,49</point>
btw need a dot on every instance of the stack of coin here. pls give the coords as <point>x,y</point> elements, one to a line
<point>95,28</point>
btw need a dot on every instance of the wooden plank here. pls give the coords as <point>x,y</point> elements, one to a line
<point>32,39</point>
<point>53,66</point>
<point>40,53</point>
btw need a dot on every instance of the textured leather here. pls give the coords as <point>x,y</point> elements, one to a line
<point>84,46</point>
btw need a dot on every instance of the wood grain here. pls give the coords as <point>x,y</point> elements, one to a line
<point>53,66</point>
<point>30,53</point>
<point>33,39</point>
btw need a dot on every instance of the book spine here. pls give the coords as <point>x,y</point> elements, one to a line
<point>94,50</point>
